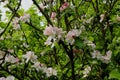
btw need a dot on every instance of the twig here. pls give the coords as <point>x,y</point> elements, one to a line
<point>11,19</point>
<point>46,16</point>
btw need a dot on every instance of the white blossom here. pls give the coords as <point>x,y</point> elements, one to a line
<point>11,59</point>
<point>70,37</point>
<point>25,45</point>
<point>2,78</point>
<point>118,18</point>
<point>50,71</point>
<point>54,35</point>
<point>90,43</point>
<point>48,30</point>
<point>30,56</point>
<point>86,71</point>
<point>39,66</point>
<point>25,18</point>
<point>106,58</point>
<point>96,54</point>
<point>16,24</point>
<point>10,78</point>
<point>2,53</point>
<point>43,6</point>
<point>102,16</point>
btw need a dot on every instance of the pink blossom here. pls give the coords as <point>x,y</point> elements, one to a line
<point>59,33</point>
<point>11,59</point>
<point>64,6</point>
<point>106,58</point>
<point>53,15</point>
<point>2,78</point>
<point>71,35</point>
<point>25,18</point>
<point>53,31</point>
<point>54,34</point>
<point>48,30</point>
<point>10,78</point>
<point>15,22</point>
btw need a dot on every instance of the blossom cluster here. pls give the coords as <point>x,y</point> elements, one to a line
<point>7,78</point>
<point>30,56</point>
<point>104,58</point>
<point>86,71</point>
<point>70,37</point>
<point>24,18</point>
<point>54,33</point>
<point>96,54</point>
<point>41,67</point>
<point>8,58</point>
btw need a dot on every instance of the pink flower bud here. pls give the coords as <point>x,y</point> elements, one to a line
<point>64,6</point>
<point>53,15</point>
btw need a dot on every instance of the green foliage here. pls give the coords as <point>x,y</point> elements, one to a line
<point>114,74</point>
<point>100,20</point>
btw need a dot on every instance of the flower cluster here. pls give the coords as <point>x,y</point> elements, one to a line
<point>90,43</point>
<point>24,18</point>
<point>8,58</point>
<point>8,78</point>
<point>96,54</point>
<point>16,25</point>
<point>29,56</point>
<point>49,71</point>
<point>2,54</point>
<point>11,59</point>
<point>70,37</point>
<point>105,59</point>
<point>86,71</point>
<point>54,33</point>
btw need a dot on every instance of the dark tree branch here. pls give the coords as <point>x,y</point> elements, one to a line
<point>45,15</point>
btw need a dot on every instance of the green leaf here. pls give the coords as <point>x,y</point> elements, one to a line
<point>78,43</point>
<point>114,74</point>
<point>91,38</point>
